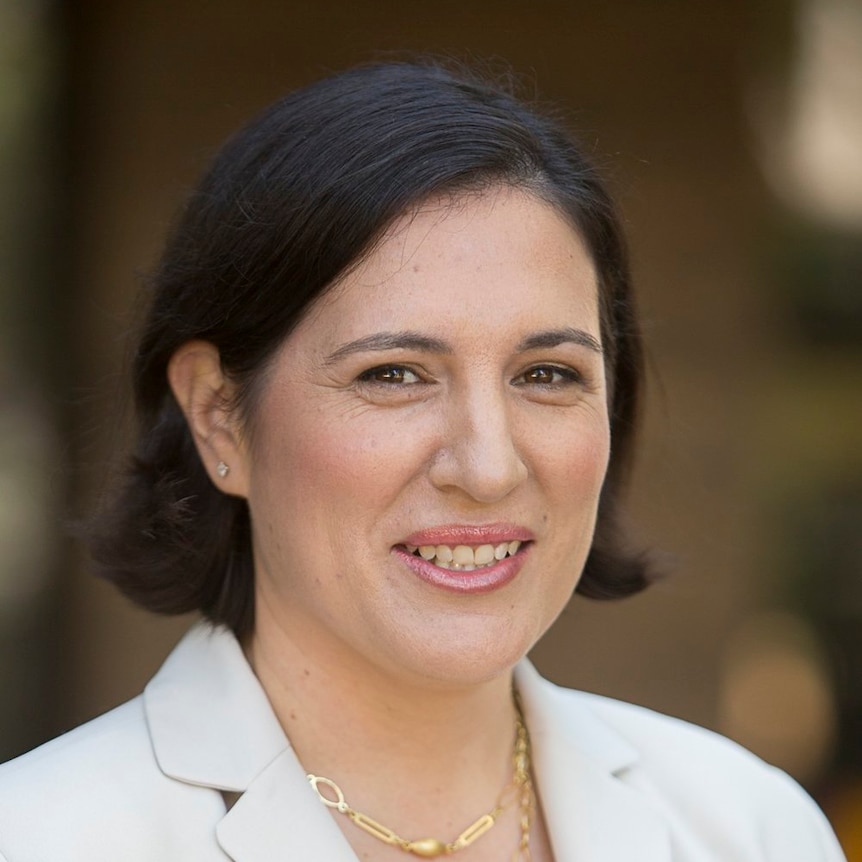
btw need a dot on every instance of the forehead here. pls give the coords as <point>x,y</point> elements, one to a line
<point>475,229</point>
<point>501,260</point>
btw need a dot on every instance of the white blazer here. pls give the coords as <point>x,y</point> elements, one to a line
<point>148,782</point>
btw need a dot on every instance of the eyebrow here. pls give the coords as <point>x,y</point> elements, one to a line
<point>556,337</point>
<point>390,341</point>
<point>381,341</point>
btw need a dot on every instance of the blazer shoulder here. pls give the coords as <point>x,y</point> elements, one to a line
<point>106,766</point>
<point>665,740</point>
<point>100,748</point>
<point>688,769</point>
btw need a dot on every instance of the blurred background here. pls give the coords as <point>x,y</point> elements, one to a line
<point>731,132</point>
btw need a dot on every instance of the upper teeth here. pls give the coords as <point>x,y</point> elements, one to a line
<point>463,556</point>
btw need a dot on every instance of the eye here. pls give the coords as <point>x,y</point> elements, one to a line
<point>390,375</point>
<point>548,376</point>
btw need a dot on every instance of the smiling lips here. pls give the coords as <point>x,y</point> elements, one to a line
<point>467,559</point>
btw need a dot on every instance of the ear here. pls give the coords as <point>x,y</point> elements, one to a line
<point>205,396</point>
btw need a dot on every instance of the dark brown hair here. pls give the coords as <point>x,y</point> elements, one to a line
<point>291,202</point>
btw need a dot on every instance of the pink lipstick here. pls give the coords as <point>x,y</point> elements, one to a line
<point>467,559</point>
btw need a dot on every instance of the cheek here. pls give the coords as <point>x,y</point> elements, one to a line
<point>312,461</point>
<point>595,455</point>
<point>577,462</point>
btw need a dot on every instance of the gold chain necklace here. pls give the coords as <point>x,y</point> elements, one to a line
<point>432,847</point>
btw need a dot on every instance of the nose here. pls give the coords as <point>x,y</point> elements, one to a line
<point>478,454</point>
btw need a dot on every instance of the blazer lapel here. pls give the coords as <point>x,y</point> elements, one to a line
<point>210,720</point>
<point>278,817</point>
<point>592,810</point>
<point>211,724</point>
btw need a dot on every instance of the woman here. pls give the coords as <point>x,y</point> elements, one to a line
<point>386,396</point>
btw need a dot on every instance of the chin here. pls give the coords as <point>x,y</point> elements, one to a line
<point>466,659</point>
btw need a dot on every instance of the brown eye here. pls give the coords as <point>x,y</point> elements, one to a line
<point>544,376</point>
<point>390,375</point>
<point>548,375</point>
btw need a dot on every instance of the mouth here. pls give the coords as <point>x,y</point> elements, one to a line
<point>465,558</point>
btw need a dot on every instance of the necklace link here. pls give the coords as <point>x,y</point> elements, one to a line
<point>471,833</point>
<point>372,827</point>
<point>430,848</point>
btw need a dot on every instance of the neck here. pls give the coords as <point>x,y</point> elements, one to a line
<point>373,733</point>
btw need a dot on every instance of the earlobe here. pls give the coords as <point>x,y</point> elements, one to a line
<point>204,394</point>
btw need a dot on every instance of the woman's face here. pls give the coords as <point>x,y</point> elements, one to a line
<point>430,443</point>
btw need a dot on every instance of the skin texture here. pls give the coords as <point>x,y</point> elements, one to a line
<point>356,446</point>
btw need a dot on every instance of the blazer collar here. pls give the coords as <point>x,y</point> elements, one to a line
<point>211,725</point>
<point>209,719</point>
<point>586,776</point>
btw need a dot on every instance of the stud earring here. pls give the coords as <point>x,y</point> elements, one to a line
<point>222,469</point>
